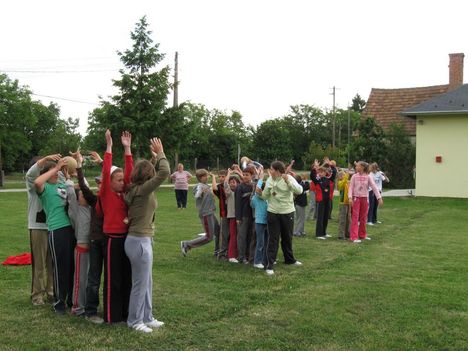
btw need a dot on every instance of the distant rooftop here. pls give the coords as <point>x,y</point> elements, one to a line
<point>452,102</point>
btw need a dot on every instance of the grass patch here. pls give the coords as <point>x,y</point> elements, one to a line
<point>404,289</point>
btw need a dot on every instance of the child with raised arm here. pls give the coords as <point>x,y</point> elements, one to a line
<point>117,271</point>
<point>79,212</point>
<point>53,195</point>
<point>358,197</point>
<point>261,232</point>
<point>230,184</point>
<point>204,200</point>
<point>323,189</point>
<point>218,190</point>
<point>300,204</point>
<point>244,216</point>
<point>96,244</point>
<point>344,208</point>
<point>379,178</point>
<point>42,288</point>
<point>145,179</point>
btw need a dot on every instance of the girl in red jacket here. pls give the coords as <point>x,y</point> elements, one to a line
<point>117,271</point>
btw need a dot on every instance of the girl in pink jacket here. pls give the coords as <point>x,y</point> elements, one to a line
<point>359,200</point>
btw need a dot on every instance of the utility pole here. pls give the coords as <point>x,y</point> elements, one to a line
<point>176,81</point>
<point>333,117</point>
<point>175,103</point>
<point>349,131</point>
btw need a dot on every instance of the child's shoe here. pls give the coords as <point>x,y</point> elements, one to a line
<point>141,327</point>
<point>183,248</point>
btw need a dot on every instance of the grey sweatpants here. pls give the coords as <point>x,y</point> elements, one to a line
<point>299,219</point>
<point>80,280</point>
<point>139,251</point>
<point>211,227</point>
<point>343,221</point>
<point>223,238</point>
<point>312,214</point>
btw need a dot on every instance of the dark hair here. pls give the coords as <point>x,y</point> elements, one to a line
<point>222,172</point>
<point>278,166</point>
<point>298,178</point>
<point>143,171</point>
<point>249,169</point>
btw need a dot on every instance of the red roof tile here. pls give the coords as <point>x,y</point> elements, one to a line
<point>385,104</point>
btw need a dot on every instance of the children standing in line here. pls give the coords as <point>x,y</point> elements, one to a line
<point>117,271</point>
<point>379,177</point>
<point>204,200</point>
<point>358,196</point>
<point>260,206</point>
<point>145,179</point>
<point>323,196</point>
<point>244,215</point>
<point>218,190</point>
<point>300,204</point>
<point>344,211</point>
<point>230,184</point>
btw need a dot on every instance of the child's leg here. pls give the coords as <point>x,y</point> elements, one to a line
<point>96,260</point>
<point>286,233</point>
<point>274,230</point>
<point>355,219</point>
<point>259,247</point>
<point>320,217</point>
<point>223,238</point>
<point>242,237</point>
<point>210,224</point>
<point>232,249</point>
<point>342,221</point>
<point>80,280</point>
<point>364,207</point>
<point>326,216</point>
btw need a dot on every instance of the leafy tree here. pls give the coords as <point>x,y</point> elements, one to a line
<point>368,143</point>
<point>358,103</point>
<point>16,117</point>
<point>401,158</point>
<point>272,142</point>
<point>141,101</point>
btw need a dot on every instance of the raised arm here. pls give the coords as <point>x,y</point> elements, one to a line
<point>126,139</point>
<point>91,199</point>
<point>40,181</point>
<point>162,168</point>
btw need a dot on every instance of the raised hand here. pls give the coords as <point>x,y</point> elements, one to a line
<point>78,157</point>
<point>109,138</point>
<point>54,157</point>
<point>156,146</point>
<point>96,158</point>
<point>126,139</point>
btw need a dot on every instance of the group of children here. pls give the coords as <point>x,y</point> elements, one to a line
<point>248,213</point>
<point>86,232</point>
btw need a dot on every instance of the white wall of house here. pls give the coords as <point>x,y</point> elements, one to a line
<point>445,136</point>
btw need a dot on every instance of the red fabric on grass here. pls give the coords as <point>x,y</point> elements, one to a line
<point>23,259</point>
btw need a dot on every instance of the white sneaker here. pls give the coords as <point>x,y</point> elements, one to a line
<point>379,222</point>
<point>370,223</point>
<point>297,263</point>
<point>95,319</point>
<point>155,324</point>
<point>367,238</point>
<point>259,266</point>
<point>183,248</point>
<point>233,260</point>
<point>357,241</point>
<point>328,236</point>
<point>269,272</point>
<point>141,327</point>
<point>321,237</point>
<point>201,234</point>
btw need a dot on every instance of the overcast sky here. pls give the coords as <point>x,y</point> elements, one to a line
<point>254,56</point>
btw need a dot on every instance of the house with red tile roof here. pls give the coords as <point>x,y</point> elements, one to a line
<point>386,105</point>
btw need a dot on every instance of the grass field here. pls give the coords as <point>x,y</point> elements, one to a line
<point>406,289</point>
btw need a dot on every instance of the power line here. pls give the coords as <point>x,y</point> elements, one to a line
<point>75,71</point>
<point>65,99</point>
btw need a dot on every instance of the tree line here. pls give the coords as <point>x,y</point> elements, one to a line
<point>192,133</point>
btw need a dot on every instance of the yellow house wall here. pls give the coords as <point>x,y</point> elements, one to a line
<point>445,136</point>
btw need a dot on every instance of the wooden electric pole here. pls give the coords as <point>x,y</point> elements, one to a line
<point>175,103</point>
<point>333,118</point>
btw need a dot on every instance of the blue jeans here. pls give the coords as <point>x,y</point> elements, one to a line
<point>261,233</point>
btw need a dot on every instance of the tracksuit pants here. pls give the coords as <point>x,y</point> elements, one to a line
<point>211,226</point>
<point>323,212</point>
<point>96,260</point>
<point>232,248</point>
<point>80,280</point>
<point>244,238</point>
<point>62,245</point>
<point>299,220</point>
<point>223,238</point>
<point>261,233</point>
<point>359,218</point>
<point>280,226</point>
<point>140,253</point>
<point>117,279</point>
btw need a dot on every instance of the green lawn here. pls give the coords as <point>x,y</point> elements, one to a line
<point>406,289</point>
